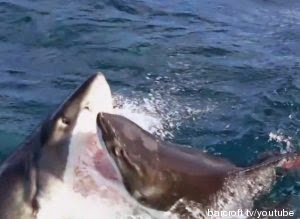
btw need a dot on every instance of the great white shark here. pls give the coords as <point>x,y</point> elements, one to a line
<point>70,168</point>
<point>182,180</point>
<point>62,170</point>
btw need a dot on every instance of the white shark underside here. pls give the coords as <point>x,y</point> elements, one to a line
<point>91,186</point>
<point>63,170</point>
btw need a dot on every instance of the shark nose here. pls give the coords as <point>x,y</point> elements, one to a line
<point>98,78</point>
<point>98,97</point>
<point>96,81</point>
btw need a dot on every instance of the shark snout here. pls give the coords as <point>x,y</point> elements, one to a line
<point>98,97</point>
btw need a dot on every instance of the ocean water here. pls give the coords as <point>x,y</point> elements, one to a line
<point>222,76</point>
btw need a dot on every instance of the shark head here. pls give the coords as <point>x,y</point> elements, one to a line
<point>70,148</point>
<point>77,113</point>
<point>138,156</point>
<point>63,170</point>
<point>77,177</point>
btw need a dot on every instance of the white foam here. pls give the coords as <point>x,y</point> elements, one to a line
<point>144,114</point>
<point>280,138</point>
<point>158,115</point>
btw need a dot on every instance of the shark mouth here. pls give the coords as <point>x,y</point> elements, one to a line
<point>94,171</point>
<point>91,187</point>
<point>88,163</point>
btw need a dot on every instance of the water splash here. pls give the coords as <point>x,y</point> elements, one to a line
<point>156,114</point>
<point>144,113</point>
<point>282,139</point>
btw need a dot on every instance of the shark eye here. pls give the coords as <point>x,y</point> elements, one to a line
<point>142,199</point>
<point>65,121</point>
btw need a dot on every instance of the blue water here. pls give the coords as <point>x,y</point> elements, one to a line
<point>226,73</point>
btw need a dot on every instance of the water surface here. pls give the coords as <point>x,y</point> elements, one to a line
<point>218,75</point>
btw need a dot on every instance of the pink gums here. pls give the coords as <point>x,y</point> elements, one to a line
<point>101,159</point>
<point>292,164</point>
<point>95,156</point>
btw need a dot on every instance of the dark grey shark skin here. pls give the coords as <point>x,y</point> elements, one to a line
<point>159,174</point>
<point>43,156</point>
